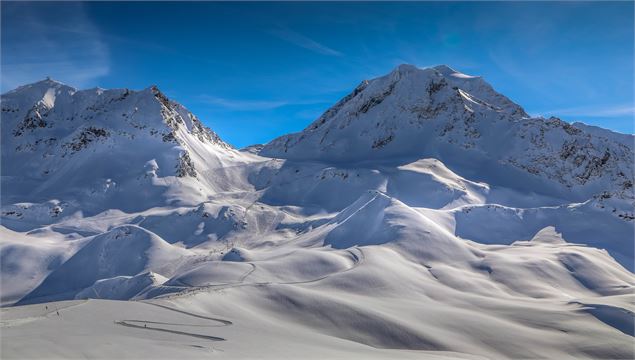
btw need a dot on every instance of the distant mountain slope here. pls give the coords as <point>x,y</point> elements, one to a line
<point>477,132</point>
<point>108,149</point>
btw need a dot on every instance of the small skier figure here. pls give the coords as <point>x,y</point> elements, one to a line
<point>58,313</point>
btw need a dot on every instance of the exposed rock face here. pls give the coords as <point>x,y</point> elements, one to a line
<point>185,167</point>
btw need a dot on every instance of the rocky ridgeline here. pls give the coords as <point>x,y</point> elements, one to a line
<point>51,120</point>
<point>410,113</point>
<point>415,112</point>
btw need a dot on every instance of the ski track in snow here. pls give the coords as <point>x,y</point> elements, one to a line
<point>53,311</point>
<point>358,260</point>
<point>141,324</point>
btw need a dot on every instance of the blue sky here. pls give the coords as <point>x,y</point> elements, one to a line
<point>254,71</point>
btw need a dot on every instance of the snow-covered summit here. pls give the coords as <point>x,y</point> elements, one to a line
<point>398,107</point>
<point>42,93</point>
<point>52,134</point>
<point>39,86</point>
<point>461,120</point>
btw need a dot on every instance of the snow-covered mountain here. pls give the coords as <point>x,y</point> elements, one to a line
<point>552,169</point>
<point>423,212</point>
<point>101,149</point>
<point>462,121</point>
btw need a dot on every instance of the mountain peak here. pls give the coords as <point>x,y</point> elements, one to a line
<point>48,81</point>
<point>154,89</point>
<point>441,113</point>
<point>447,71</point>
<point>406,68</point>
<point>141,137</point>
<point>39,88</point>
<point>398,105</point>
<point>444,69</point>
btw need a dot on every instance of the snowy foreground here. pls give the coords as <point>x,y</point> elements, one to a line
<point>424,215</point>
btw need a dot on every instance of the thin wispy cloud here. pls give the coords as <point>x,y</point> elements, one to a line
<point>594,111</point>
<point>303,41</point>
<point>42,47</point>
<point>256,105</point>
<point>240,104</point>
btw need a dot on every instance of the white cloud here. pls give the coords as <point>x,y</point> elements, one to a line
<point>244,105</point>
<point>594,111</point>
<point>257,105</point>
<point>304,42</point>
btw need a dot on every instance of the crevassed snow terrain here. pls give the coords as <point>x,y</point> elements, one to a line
<point>423,215</point>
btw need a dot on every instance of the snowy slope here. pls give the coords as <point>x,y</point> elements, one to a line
<point>424,215</point>
<point>123,251</point>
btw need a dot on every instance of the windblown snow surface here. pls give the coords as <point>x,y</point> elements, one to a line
<point>424,215</point>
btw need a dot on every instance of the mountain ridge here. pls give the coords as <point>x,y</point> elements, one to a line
<point>445,110</point>
<point>53,128</point>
